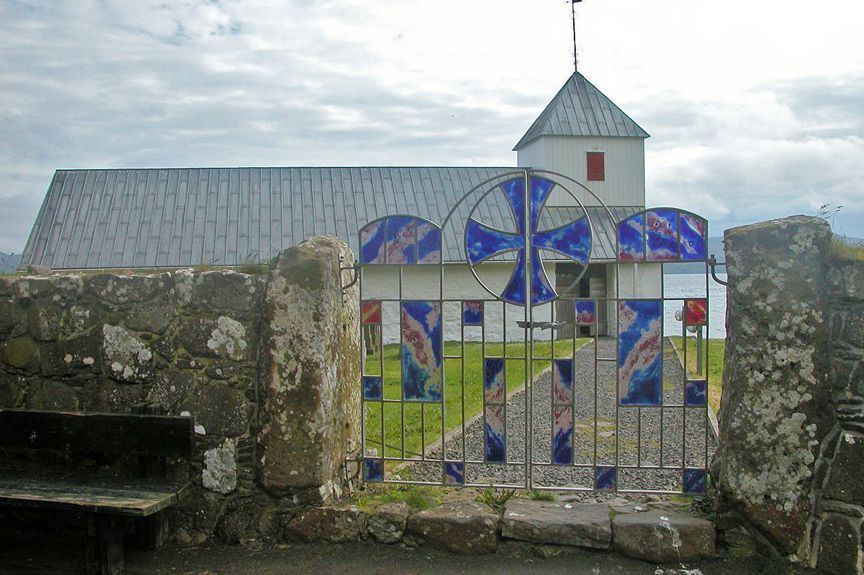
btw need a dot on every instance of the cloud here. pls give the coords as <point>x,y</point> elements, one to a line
<point>776,150</point>
<point>126,83</point>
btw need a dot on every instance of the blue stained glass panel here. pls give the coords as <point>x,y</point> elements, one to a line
<point>661,235</point>
<point>515,191</point>
<point>696,393</point>
<point>421,351</point>
<point>694,481</point>
<point>493,380</point>
<point>631,245</point>
<point>540,190</point>
<point>472,312</point>
<point>454,473</point>
<point>693,233</point>
<point>562,435</point>
<point>372,389</point>
<point>428,243</point>
<point>586,312</point>
<point>640,354</point>
<point>562,381</point>
<point>373,469</point>
<point>401,240</point>
<point>483,242</point>
<point>605,478</point>
<point>372,243</point>
<point>572,240</point>
<point>495,449</point>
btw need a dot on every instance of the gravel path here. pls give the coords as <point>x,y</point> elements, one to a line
<point>636,444</point>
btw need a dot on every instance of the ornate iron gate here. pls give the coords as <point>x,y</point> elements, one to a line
<point>469,376</point>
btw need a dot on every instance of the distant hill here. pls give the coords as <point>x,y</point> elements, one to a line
<point>715,246</point>
<point>8,262</point>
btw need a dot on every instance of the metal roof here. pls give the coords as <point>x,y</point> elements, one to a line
<point>580,109</point>
<point>229,216</point>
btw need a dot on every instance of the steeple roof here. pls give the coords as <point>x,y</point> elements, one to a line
<point>580,109</point>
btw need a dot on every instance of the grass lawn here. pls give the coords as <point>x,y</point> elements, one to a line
<point>427,417</point>
<point>714,365</point>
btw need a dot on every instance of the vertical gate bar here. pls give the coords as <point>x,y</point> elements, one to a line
<point>707,350</point>
<point>551,384</point>
<point>423,431</point>
<point>529,331</point>
<point>462,382</point>
<point>596,373</point>
<point>639,430</point>
<point>684,345</point>
<point>443,361</point>
<point>401,360</point>
<point>362,372</point>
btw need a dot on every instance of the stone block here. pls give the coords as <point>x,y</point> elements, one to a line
<point>310,376</point>
<point>853,281</point>
<point>152,316</point>
<point>79,355</point>
<point>326,524</point>
<point>43,321</point>
<point>21,353</point>
<point>558,523</point>
<point>170,389</point>
<point>125,357</point>
<point>386,524</point>
<point>52,396</point>
<point>777,373</point>
<point>465,527</point>
<point>109,396</point>
<point>661,536</point>
<point>220,468</point>
<point>223,337</point>
<point>226,290</point>
<point>840,546</point>
<point>12,315</point>
<point>126,289</point>
<point>845,482</point>
<point>853,327</point>
<point>219,409</point>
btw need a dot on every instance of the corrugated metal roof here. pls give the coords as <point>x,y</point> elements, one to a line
<point>580,109</point>
<point>229,216</point>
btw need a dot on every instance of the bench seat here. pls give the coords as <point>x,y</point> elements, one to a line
<point>119,496</point>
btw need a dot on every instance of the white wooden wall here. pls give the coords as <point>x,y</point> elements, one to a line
<point>625,167</point>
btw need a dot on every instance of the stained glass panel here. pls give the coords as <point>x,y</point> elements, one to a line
<point>693,237</point>
<point>372,243</point>
<point>472,312</point>
<point>586,312</point>
<point>454,473</point>
<point>661,235</point>
<point>373,469</point>
<point>696,393</point>
<point>631,241</point>
<point>562,435</point>
<point>421,351</point>
<point>605,478</point>
<point>493,376</point>
<point>401,240</point>
<point>370,312</point>
<point>640,358</point>
<point>694,481</point>
<point>495,450</point>
<point>372,388</point>
<point>696,311</point>
<point>562,381</point>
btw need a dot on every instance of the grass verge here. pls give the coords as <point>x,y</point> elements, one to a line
<point>716,349</point>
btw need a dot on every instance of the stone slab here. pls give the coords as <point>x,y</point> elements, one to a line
<point>587,525</point>
<point>386,524</point>
<point>662,536</point>
<point>465,527</point>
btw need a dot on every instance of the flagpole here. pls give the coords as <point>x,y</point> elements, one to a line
<point>573,17</point>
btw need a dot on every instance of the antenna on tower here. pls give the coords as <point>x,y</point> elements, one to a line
<point>573,17</point>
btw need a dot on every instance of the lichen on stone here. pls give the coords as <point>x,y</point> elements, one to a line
<point>228,338</point>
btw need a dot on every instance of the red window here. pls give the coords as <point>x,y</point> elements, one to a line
<point>596,167</point>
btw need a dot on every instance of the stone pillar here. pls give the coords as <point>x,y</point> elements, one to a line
<point>776,409</point>
<point>309,377</point>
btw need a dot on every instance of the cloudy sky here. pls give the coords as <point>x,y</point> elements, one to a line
<point>756,108</point>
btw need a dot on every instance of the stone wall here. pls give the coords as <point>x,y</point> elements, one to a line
<point>265,363</point>
<point>791,452</point>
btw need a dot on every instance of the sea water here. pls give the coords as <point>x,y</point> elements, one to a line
<point>693,286</point>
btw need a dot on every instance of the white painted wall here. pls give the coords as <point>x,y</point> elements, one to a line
<point>625,167</point>
<point>424,282</point>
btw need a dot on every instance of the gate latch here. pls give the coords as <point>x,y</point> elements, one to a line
<point>542,324</point>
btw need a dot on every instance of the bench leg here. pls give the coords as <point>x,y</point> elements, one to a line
<point>105,549</point>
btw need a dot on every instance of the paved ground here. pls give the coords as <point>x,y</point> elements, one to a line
<point>638,442</point>
<point>390,560</point>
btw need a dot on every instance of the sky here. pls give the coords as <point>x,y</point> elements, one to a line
<point>756,108</point>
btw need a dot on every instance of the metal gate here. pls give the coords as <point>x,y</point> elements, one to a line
<point>478,370</point>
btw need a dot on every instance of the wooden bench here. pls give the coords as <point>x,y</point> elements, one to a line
<point>42,454</point>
